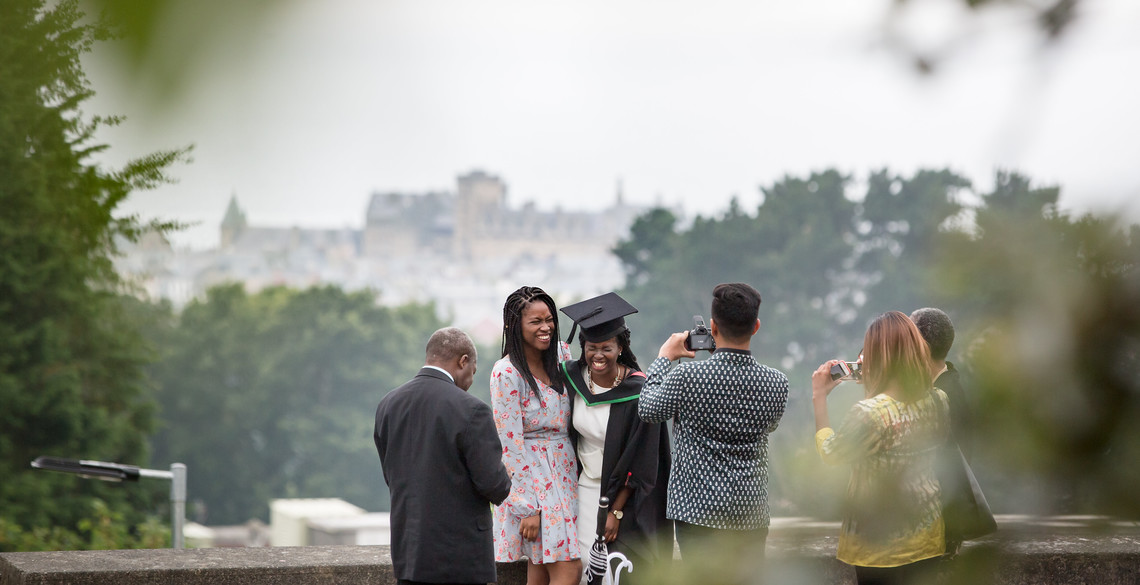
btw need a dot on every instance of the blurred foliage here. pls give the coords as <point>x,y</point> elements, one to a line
<point>1052,19</point>
<point>72,379</point>
<point>1044,306</point>
<point>101,529</point>
<point>273,395</point>
<point>164,41</point>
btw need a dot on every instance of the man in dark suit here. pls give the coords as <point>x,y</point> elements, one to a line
<point>442,461</point>
<point>938,331</point>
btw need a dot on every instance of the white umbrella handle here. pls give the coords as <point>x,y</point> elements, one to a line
<point>613,574</point>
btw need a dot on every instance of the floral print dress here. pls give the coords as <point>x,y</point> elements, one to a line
<point>534,431</point>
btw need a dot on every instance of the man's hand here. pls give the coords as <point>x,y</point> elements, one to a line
<point>674,347</point>
<point>530,526</point>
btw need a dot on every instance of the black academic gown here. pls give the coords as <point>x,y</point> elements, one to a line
<point>637,454</point>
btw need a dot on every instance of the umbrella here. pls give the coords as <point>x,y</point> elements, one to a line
<point>598,571</point>
<point>599,563</point>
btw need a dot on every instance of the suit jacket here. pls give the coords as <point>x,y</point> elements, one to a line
<point>443,464</point>
<point>961,421</point>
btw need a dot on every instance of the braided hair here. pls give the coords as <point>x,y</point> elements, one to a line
<point>625,354</point>
<point>513,345</point>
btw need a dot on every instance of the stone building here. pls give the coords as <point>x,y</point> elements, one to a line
<point>464,249</point>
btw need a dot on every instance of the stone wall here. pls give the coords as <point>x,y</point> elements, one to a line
<point>1023,552</point>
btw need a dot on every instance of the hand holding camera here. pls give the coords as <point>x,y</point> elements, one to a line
<point>699,338</point>
<point>847,371</point>
<point>674,347</point>
<point>686,344</point>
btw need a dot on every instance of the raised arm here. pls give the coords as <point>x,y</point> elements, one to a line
<point>661,396</point>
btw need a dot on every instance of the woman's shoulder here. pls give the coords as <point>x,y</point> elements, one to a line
<point>940,398</point>
<point>503,366</point>
<point>875,407</point>
<point>877,401</point>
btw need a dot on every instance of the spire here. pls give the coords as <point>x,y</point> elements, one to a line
<point>233,224</point>
<point>235,217</point>
<point>620,193</point>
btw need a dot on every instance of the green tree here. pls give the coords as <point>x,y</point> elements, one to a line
<point>905,222</point>
<point>72,359</point>
<point>272,395</point>
<point>1040,302</point>
<point>1053,335</point>
<point>796,250</point>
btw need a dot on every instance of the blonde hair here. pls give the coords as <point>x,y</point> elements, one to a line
<point>894,352</point>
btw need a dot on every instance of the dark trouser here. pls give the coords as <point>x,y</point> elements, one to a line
<point>692,538</point>
<point>916,573</point>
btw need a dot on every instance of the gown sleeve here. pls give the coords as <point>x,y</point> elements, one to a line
<point>637,464</point>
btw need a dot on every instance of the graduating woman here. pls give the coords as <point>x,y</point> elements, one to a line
<point>619,455</point>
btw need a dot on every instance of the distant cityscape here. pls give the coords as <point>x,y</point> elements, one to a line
<point>464,250</point>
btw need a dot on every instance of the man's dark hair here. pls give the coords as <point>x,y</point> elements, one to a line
<point>937,329</point>
<point>735,307</point>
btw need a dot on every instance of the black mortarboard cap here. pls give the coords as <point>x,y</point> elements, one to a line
<point>601,318</point>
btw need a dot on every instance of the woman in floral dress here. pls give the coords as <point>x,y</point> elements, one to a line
<point>532,412</point>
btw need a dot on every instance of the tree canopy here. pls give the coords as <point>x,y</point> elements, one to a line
<point>1039,301</point>
<point>71,355</point>
<point>285,385</point>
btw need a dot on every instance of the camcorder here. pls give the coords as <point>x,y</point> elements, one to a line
<point>847,371</point>
<point>699,338</point>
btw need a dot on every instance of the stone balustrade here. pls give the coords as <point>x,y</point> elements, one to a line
<point>1024,551</point>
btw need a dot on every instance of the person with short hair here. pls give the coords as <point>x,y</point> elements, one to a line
<point>892,531</point>
<point>723,410</point>
<point>442,461</point>
<point>938,331</point>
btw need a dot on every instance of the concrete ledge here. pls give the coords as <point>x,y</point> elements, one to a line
<point>1025,551</point>
<point>315,565</point>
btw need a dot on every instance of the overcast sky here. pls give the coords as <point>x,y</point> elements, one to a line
<point>684,102</point>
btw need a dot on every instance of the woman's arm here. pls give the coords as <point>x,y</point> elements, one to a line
<point>636,467</point>
<point>821,387</point>
<point>858,434</point>
<point>507,392</point>
<point>612,522</point>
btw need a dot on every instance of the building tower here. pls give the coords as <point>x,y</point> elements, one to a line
<point>233,224</point>
<point>480,201</point>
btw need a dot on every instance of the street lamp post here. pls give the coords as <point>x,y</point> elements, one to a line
<point>118,472</point>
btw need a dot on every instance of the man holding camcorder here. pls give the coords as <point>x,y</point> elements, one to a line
<point>723,409</point>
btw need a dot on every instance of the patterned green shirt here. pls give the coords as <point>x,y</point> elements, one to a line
<point>893,512</point>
